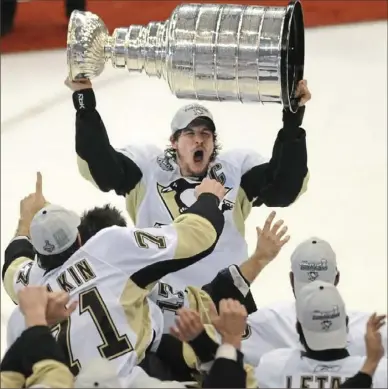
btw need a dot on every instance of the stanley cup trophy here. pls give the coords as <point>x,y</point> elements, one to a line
<point>210,52</point>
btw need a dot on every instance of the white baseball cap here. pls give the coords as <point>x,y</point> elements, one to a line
<point>321,312</point>
<point>187,114</point>
<point>54,229</point>
<point>312,260</point>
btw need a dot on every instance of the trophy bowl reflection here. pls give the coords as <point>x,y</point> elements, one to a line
<point>209,52</point>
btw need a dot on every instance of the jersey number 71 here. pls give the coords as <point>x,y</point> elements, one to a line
<point>113,344</point>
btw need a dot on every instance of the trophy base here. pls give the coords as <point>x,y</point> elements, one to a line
<point>292,55</point>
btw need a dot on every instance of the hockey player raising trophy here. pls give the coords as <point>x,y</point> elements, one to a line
<point>159,185</point>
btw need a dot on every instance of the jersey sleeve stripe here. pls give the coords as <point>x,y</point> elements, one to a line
<point>9,277</point>
<point>18,247</point>
<point>197,238</point>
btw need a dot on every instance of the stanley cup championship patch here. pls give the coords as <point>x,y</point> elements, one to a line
<point>164,163</point>
<point>48,247</point>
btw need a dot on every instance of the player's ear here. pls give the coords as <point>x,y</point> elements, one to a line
<point>173,141</point>
<point>291,275</point>
<point>337,278</point>
<point>79,240</point>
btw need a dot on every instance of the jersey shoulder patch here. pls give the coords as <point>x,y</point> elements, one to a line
<point>165,163</point>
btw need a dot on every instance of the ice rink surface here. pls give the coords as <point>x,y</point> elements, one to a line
<point>346,124</point>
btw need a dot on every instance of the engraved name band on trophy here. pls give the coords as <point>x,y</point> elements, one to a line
<point>209,52</point>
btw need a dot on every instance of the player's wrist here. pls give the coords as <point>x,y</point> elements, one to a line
<point>370,366</point>
<point>261,256</point>
<point>35,317</point>
<point>233,340</point>
<point>23,227</point>
<point>84,99</point>
<point>211,196</point>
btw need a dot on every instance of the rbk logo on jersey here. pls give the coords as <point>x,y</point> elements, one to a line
<point>179,195</point>
<point>327,369</point>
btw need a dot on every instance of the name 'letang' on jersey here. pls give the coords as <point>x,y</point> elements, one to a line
<point>321,381</point>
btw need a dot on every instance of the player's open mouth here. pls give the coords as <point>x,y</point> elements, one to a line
<point>198,156</point>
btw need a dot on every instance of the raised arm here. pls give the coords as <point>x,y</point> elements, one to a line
<point>98,161</point>
<point>19,255</point>
<point>279,182</point>
<point>149,254</point>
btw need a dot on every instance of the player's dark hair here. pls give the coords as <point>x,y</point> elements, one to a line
<point>97,219</point>
<point>92,221</point>
<point>170,152</point>
<point>51,262</point>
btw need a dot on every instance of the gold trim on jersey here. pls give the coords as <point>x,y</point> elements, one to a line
<point>304,185</point>
<point>137,312</point>
<point>241,211</point>
<point>188,353</point>
<point>193,362</point>
<point>200,301</point>
<point>11,379</point>
<point>168,199</point>
<point>50,373</point>
<point>47,373</point>
<point>9,276</point>
<point>83,168</point>
<point>133,199</point>
<point>91,300</point>
<point>195,235</point>
<point>143,239</point>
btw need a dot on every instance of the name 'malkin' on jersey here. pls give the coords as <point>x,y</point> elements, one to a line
<point>111,276</point>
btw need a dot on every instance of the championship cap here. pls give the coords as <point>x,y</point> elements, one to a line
<point>187,114</point>
<point>313,259</point>
<point>321,312</point>
<point>54,229</point>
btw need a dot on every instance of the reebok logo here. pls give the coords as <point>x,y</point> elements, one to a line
<point>81,101</point>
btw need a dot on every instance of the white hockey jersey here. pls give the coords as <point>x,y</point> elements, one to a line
<point>286,368</point>
<point>111,276</point>
<point>274,327</point>
<point>170,299</point>
<point>163,194</point>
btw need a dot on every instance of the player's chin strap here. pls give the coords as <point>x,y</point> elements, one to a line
<point>231,284</point>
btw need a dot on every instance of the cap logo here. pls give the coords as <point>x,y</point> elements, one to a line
<point>326,317</point>
<point>197,110</point>
<point>323,315</point>
<point>313,268</point>
<point>48,246</point>
<point>61,237</point>
<point>326,324</point>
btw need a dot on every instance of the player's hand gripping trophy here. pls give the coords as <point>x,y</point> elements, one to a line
<point>210,52</point>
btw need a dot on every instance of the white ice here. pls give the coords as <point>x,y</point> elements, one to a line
<point>346,124</point>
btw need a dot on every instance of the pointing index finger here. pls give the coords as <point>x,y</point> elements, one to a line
<point>39,184</point>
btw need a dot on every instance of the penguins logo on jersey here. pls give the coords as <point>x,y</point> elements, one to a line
<point>179,195</point>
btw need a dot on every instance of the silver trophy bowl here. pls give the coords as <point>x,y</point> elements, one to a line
<point>215,52</point>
